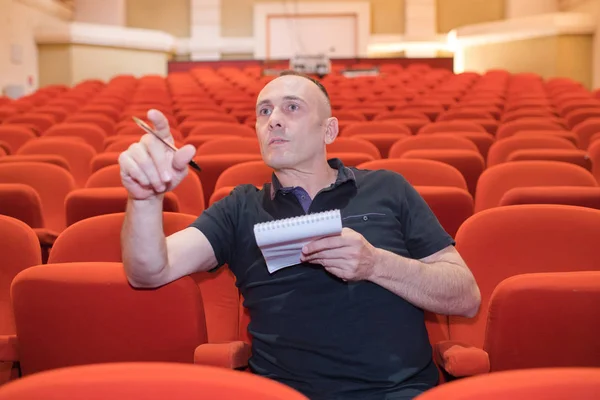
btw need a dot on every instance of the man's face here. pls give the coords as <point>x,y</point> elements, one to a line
<point>291,122</point>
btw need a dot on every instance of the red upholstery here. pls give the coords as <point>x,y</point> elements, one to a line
<point>495,181</point>
<point>51,182</point>
<point>549,238</point>
<point>90,202</point>
<point>451,205</point>
<point>523,309</point>
<point>582,196</point>
<point>147,381</point>
<point>89,313</point>
<point>98,239</point>
<point>20,250</point>
<point>420,172</point>
<point>547,384</point>
<point>189,191</point>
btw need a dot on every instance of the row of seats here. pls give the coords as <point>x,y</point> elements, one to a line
<point>534,264</point>
<point>46,198</point>
<point>210,324</point>
<point>157,381</point>
<point>524,124</point>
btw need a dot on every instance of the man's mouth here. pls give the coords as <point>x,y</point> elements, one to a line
<point>277,141</point>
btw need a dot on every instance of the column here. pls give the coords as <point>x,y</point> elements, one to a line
<point>420,25</point>
<point>206,29</point>
<point>105,12</point>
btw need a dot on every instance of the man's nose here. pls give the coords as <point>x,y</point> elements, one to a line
<point>275,120</point>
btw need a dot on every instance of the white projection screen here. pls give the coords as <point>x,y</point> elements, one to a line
<point>335,35</point>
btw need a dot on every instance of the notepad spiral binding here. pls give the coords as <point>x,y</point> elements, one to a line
<point>297,221</point>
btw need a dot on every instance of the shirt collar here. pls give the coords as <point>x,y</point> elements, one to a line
<point>345,174</point>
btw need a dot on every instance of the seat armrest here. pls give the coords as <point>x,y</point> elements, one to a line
<point>232,355</point>
<point>460,359</point>
<point>9,348</point>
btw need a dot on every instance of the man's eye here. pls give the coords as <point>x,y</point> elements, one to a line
<point>293,107</point>
<point>264,111</point>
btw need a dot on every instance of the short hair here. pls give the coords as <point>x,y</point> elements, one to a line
<point>310,78</point>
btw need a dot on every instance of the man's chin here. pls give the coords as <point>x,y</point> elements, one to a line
<point>278,162</point>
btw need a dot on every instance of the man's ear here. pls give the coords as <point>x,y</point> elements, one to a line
<point>331,130</point>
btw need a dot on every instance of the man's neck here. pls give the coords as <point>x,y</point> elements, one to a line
<point>312,180</point>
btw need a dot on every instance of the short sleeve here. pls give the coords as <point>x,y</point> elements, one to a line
<point>219,224</point>
<point>423,232</point>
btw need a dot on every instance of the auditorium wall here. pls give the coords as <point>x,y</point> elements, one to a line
<point>172,17</point>
<point>592,8</point>
<point>19,20</point>
<point>73,63</point>
<point>551,56</point>
<point>387,16</point>
<point>452,14</point>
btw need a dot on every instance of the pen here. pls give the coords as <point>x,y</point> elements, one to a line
<point>147,128</point>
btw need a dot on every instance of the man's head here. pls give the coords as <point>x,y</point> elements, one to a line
<point>294,122</point>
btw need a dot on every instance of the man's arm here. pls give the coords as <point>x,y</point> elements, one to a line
<point>151,260</point>
<point>440,283</point>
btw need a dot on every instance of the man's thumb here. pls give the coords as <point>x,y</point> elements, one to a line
<point>183,156</point>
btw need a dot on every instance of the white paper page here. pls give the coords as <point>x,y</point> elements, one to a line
<point>281,241</point>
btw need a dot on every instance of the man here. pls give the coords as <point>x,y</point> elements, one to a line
<point>348,322</point>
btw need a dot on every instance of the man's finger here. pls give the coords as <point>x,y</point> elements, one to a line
<point>327,254</point>
<point>183,156</point>
<point>332,242</point>
<point>160,154</point>
<point>161,124</point>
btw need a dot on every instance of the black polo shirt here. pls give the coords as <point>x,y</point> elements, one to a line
<point>327,338</point>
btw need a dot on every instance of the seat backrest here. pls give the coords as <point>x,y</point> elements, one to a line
<point>451,205</point>
<point>20,249</point>
<point>92,134</point>
<point>525,307</point>
<point>213,165</point>
<point>495,181</point>
<point>246,145</point>
<point>78,154</point>
<point>585,130</point>
<point>89,313</point>
<point>356,128</point>
<point>420,172</point>
<point>217,128</point>
<point>45,158</point>
<point>427,142</point>
<point>507,241</point>
<point>500,151</point>
<point>147,381</point>
<point>97,239</point>
<point>22,202</point>
<point>51,182</point>
<point>102,121</point>
<point>41,122</point>
<point>573,156</point>
<point>190,193</point>
<point>353,145</point>
<point>252,172</point>
<point>105,159</point>
<point>581,196</point>
<point>90,202</point>
<point>15,135</point>
<point>452,126</point>
<point>537,383</point>
<point>526,124</point>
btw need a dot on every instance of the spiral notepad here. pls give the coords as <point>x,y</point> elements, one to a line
<point>281,241</point>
